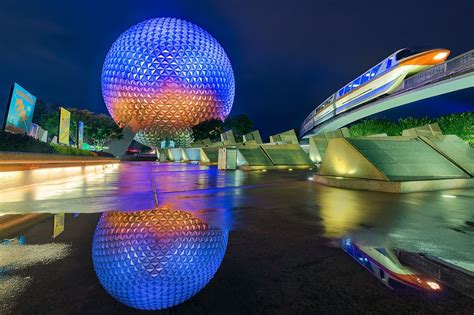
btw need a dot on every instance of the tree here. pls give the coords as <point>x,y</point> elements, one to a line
<point>49,122</point>
<point>240,125</point>
<point>211,129</point>
<point>98,128</point>
<point>41,108</point>
<point>101,129</point>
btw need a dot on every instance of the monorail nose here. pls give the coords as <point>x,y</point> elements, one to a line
<point>429,58</point>
<point>442,54</point>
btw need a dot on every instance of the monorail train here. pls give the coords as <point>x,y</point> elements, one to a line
<point>381,79</point>
<point>386,267</point>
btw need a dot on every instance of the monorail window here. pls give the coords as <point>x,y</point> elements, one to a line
<point>389,63</point>
<point>365,77</point>
<point>358,255</point>
<point>374,70</point>
<point>340,93</point>
<point>356,83</point>
<point>347,89</point>
<point>405,53</point>
<point>368,265</point>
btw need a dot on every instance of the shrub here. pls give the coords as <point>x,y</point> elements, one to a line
<point>22,143</point>
<point>461,124</point>
<point>65,150</point>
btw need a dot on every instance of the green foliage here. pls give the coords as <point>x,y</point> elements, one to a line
<point>50,122</point>
<point>22,143</point>
<point>41,108</point>
<point>65,150</point>
<point>461,125</point>
<point>373,127</point>
<point>13,142</point>
<point>211,129</point>
<point>240,124</point>
<point>98,128</point>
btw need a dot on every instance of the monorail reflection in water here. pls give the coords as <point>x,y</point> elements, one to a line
<point>382,262</point>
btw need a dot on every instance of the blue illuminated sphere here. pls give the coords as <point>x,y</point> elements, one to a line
<point>165,75</point>
<point>155,259</point>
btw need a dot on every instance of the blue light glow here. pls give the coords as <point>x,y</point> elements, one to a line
<point>155,259</point>
<point>164,76</point>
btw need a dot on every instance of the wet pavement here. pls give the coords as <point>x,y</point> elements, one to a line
<point>282,252</point>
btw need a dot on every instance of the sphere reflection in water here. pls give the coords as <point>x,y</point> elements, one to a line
<point>155,259</point>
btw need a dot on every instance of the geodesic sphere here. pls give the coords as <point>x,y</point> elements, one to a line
<point>166,75</point>
<point>155,259</point>
<point>181,138</point>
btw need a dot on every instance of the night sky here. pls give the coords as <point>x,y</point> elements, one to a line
<point>287,56</point>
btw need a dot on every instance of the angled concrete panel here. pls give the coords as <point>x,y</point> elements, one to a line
<point>193,154</point>
<point>343,160</point>
<point>175,154</point>
<point>406,158</point>
<point>119,147</point>
<point>252,155</point>
<point>210,155</point>
<point>426,130</point>
<point>253,136</point>
<point>163,155</point>
<point>338,133</point>
<point>286,154</point>
<point>228,137</point>
<point>288,137</point>
<point>319,143</point>
<point>454,149</point>
<point>317,148</point>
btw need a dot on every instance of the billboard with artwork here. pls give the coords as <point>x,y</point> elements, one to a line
<point>64,125</point>
<point>20,110</point>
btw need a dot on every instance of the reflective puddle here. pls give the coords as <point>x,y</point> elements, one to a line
<point>153,236</point>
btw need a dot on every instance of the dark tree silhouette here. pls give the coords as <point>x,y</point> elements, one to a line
<point>240,125</point>
<point>212,128</point>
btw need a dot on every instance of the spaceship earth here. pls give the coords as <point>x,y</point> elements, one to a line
<point>155,259</point>
<point>165,75</point>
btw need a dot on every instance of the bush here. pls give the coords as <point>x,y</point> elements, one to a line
<point>461,125</point>
<point>65,150</point>
<point>22,143</point>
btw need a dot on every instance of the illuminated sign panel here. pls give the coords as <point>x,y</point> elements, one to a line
<point>58,225</point>
<point>80,134</point>
<point>64,124</point>
<point>20,110</point>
